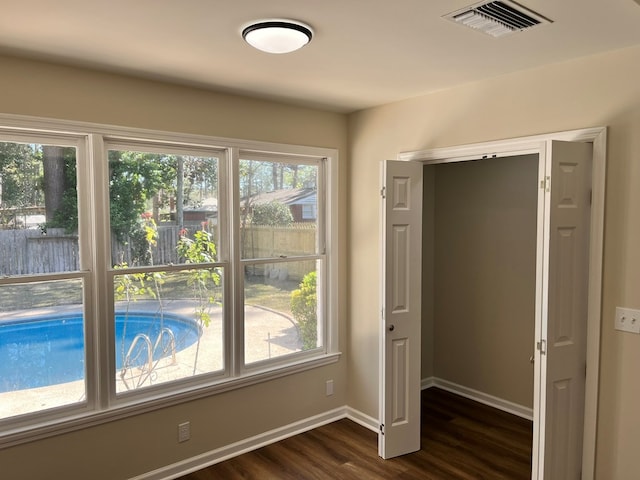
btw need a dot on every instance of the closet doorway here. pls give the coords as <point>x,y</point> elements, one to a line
<point>479,278</point>
<point>567,289</point>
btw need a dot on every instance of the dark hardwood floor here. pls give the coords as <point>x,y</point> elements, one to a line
<point>461,439</point>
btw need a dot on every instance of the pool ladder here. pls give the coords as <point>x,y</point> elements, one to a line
<point>150,350</point>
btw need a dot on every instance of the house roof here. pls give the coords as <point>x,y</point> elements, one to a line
<point>364,53</point>
<point>292,196</point>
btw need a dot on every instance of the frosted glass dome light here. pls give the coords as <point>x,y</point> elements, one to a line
<point>277,36</point>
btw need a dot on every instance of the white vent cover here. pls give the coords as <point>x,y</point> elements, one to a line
<point>497,18</point>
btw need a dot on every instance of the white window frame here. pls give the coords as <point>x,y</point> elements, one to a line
<point>320,256</point>
<point>102,405</point>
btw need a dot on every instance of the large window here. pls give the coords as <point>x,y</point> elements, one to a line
<point>132,269</point>
<point>168,280</point>
<point>281,257</point>
<point>42,285</point>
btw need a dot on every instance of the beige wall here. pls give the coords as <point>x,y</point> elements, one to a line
<point>601,90</point>
<point>484,280</point>
<point>137,445</point>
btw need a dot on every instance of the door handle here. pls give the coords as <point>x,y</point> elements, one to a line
<point>392,327</point>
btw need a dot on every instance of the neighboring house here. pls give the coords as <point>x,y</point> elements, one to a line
<point>301,201</point>
<point>207,212</point>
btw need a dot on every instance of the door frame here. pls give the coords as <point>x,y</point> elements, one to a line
<point>537,144</point>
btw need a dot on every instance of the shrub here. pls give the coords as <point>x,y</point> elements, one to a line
<point>274,214</point>
<point>304,309</point>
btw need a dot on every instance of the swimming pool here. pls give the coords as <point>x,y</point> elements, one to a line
<point>49,349</point>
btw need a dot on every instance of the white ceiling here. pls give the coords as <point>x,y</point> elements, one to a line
<point>364,52</point>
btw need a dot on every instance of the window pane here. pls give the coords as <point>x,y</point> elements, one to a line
<point>168,326</point>
<point>278,208</point>
<point>157,200</point>
<point>38,209</point>
<point>281,311</point>
<point>42,354</point>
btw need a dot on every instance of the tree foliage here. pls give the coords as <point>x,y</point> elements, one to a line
<point>139,182</point>
<point>274,214</point>
<point>134,178</point>
<point>304,306</point>
<point>20,172</point>
<point>66,216</point>
<point>258,176</point>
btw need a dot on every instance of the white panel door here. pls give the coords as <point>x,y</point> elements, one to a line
<point>562,349</point>
<point>400,348</point>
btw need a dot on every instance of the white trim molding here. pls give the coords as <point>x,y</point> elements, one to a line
<point>480,397</point>
<point>221,454</point>
<point>363,419</point>
<point>536,144</point>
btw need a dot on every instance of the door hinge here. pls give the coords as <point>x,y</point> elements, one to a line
<point>382,313</point>
<point>545,184</point>
<point>542,346</point>
<point>382,428</point>
<point>383,192</point>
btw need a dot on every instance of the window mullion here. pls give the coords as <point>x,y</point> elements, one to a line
<point>235,335</point>
<point>86,239</point>
<point>101,260</point>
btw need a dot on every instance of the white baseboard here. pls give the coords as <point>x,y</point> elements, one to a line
<point>428,383</point>
<point>485,398</point>
<point>218,455</point>
<point>363,419</point>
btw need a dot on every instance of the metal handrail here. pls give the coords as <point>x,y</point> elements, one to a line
<point>172,338</point>
<point>147,341</point>
<point>150,351</point>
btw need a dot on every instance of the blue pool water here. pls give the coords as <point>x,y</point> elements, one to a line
<point>49,349</point>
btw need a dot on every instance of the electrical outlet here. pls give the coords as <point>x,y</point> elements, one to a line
<point>329,388</point>
<point>628,320</point>
<point>184,431</point>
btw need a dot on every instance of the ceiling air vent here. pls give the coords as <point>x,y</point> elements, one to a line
<point>497,18</point>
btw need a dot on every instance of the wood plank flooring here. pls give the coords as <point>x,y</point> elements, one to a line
<point>461,440</point>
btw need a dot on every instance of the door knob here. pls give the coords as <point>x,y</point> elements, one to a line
<point>392,327</point>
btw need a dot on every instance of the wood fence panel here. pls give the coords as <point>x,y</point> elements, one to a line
<point>266,241</point>
<point>24,252</point>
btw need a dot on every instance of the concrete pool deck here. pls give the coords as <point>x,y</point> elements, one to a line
<point>269,334</point>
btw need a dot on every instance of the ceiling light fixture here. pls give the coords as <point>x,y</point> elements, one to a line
<point>277,36</point>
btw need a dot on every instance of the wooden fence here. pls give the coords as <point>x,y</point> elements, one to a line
<point>269,242</point>
<point>28,251</point>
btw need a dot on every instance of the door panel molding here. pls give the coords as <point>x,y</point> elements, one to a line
<point>401,245</point>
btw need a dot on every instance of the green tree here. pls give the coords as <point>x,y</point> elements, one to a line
<point>65,208</point>
<point>275,214</point>
<point>134,178</point>
<point>304,306</point>
<point>20,170</point>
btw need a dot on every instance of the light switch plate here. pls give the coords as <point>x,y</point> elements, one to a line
<point>627,320</point>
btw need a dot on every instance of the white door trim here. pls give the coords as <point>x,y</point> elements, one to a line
<point>537,144</point>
